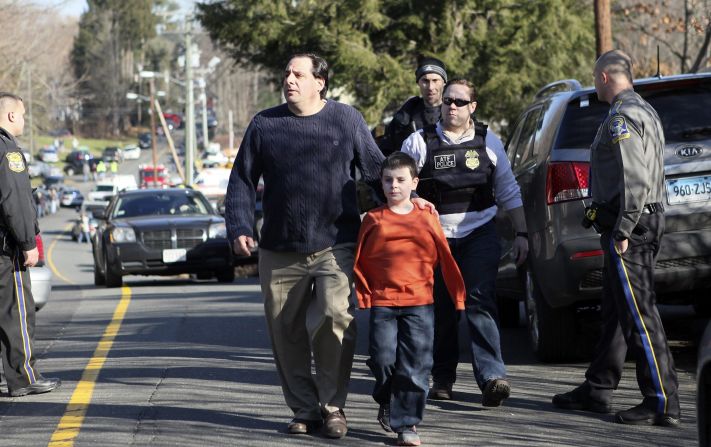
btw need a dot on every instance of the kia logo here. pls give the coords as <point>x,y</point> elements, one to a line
<point>689,151</point>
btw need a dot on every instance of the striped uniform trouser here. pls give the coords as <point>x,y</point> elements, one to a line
<point>17,322</point>
<point>631,321</point>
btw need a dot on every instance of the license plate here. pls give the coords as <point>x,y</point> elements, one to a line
<point>174,255</point>
<point>690,189</point>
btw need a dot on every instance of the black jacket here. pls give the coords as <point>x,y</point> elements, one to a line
<point>408,119</point>
<point>18,216</point>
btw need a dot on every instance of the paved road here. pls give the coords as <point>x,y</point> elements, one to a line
<point>191,365</point>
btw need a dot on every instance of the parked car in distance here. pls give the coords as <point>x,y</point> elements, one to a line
<point>74,162</point>
<point>144,140</point>
<point>131,152</point>
<point>112,153</point>
<point>71,197</point>
<point>53,181</point>
<point>549,151</point>
<point>214,160</point>
<point>40,278</point>
<point>161,232</point>
<point>48,154</point>
<point>212,183</point>
<point>38,169</point>
<point>173,120</point>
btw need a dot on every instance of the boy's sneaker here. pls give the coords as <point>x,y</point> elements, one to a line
<point>384,417</point>
<point>408,436</point>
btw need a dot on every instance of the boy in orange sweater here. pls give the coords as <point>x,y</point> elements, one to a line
<point>399,246</point>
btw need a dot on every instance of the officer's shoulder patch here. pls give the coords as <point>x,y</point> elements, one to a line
<point>618,128</point>
<point>15,161</point>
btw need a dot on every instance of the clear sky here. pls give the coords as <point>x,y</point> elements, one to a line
<point>76,7</point>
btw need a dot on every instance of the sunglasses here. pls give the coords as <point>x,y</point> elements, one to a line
<point>459,102</point>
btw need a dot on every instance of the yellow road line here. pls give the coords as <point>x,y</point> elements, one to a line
<point>69,426</point>
<point>49,258</point>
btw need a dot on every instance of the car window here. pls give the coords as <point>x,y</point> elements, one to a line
<point>579,126</point>
<point>685,112</point>
<point>104,188</point>
<point>512,144</point>
<point>160,204</point>
<point>526,138</point>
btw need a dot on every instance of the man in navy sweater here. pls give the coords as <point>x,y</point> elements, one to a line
<point>306,150</point>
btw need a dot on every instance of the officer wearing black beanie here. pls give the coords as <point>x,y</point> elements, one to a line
<point>418,111</point>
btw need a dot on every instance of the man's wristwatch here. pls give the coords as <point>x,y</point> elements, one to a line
<point>523,234</point>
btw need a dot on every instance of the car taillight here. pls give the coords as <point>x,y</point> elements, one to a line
<point>566,181</point>
<point>40,249</point>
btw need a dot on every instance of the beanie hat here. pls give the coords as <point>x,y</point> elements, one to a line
<point>430,65</point>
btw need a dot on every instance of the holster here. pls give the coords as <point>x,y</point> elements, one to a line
<point>603,218</point>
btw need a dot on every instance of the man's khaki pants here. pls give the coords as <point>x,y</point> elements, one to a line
<point>309,312</point>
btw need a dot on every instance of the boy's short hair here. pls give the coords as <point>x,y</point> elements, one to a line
<point>398,160</point>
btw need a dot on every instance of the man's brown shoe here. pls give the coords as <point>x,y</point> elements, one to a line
<point>335,425</point>
<point>441,391</point>
<point>302,426</point>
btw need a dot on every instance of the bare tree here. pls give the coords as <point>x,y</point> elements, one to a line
<point>681,29</point>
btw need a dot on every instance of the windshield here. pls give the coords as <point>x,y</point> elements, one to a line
<point>104,188</point>
<point>685,112</point>
<point>160,204</point>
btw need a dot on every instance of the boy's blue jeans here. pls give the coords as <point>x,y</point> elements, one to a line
<point>400,359</point>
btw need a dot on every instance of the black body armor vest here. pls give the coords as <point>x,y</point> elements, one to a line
<point>457,178</point>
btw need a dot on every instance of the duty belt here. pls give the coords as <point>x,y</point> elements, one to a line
<point>653,208</point>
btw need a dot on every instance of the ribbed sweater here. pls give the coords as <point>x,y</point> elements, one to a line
<point>308,164</point>
<point>395,260</point>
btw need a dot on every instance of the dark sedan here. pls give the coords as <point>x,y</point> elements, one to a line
<point>161,232</point>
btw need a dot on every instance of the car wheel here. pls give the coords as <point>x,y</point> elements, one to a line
<point>551,330</point>
<point>70,171</point>
<point>226,276</point>
<point>112,279</point>
<point>99,278</point>
<point>702,303</point>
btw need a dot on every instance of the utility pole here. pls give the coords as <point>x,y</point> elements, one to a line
<point>154,137</point>
<point>189,105</point>
<point>203,99</point>
<point>603,27</point>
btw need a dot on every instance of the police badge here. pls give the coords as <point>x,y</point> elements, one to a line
<point>472,159</point>
<point>15,161</point>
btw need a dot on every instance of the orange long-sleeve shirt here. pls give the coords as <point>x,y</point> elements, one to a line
<point>396,256</point>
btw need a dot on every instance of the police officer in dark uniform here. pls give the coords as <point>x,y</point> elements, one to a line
<point>418,111</point>
<point>18,227</point>
<point>627,183</point>
<point>465,173</point>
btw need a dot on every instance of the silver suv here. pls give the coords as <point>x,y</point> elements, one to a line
<point>549,151</point>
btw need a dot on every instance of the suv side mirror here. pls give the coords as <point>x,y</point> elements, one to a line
<point>99,214</point>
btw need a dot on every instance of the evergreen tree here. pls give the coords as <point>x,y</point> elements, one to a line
<point>508,48</point>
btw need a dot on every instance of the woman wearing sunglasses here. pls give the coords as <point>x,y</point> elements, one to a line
<point>464,171</point>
